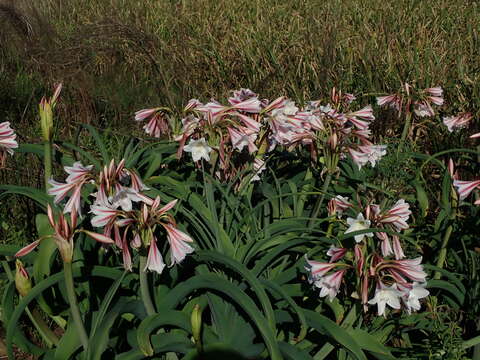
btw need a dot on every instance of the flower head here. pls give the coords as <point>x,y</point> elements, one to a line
<point>360,223</point>
<point>386,296</point>
<point>7,142</point>
<point>199,149</point>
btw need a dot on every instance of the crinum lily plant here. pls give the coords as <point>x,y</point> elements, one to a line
<point>376,260</point>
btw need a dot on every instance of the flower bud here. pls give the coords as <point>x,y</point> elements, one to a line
<point>46,119</point>
<point>333,141</point>
<point>22,280</point>
<point>196,320</point>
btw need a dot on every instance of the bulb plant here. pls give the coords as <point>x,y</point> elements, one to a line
<point>254,259</point>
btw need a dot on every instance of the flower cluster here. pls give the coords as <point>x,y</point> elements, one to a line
<point>129,219</point>
<point>7,142</point>
<point>236,137</point>
<point>409,99</point>
<point>376,258</point>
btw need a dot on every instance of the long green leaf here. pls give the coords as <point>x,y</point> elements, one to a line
<point>215,282</point>
<point>326,326</point>
<point>150,323</point>
<point>247,275</point>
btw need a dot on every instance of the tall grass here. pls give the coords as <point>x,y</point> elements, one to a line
<point>134,53</point>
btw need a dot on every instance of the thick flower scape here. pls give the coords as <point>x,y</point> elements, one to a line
<point>236,138</point>
<point>376,259</point>
<point>128,218</point>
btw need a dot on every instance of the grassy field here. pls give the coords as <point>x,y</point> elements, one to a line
<point>116,57</point>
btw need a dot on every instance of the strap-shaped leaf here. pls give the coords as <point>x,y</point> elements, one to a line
<point>103,310</point>
<point>293,353</point>
<point>162,343</point>
<point>35,194</point>
<point>8,309</point>
<point>326,326</point>
<point>152,322</point>
<point>13,321</point>
<point>215,282</point>
<point>241,269</point>
<point>371,344</point>
<point>297,309</point>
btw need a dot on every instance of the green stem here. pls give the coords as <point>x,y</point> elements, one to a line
<point>144,291</point>
<point>443,251</point>
<point>72,299</point>
<point>406,129</point>
<point>47,150</point>
<point>319,203</point>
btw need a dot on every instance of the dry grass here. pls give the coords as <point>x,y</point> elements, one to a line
<point>130,54</point>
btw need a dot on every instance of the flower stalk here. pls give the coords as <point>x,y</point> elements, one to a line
<point>318,204</point>
<point>72,299</point>
<point>144,291</point>
<point>406,129</point>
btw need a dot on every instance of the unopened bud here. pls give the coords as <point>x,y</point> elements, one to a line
<point>46,119</point>
<point>22,280</point>
<point>333,141</point>
<point>196,321</point>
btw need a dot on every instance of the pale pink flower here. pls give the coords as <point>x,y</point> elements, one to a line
<point>423,109</point>
<point>338,205</point>
<point>63,236</point>
<point>458,121</point>
<point>398,215</point>
<point>193,104</point>
<point>154,259</point>
<point>373,153</point>
<point>77,172</point>
<point>411,268</point>
<point>124,198</point>
<point>59,190</point>
<point>104,213</point>
<point>7,138</point>
<point>435,91</point>
<point>336,253</point>
<point>241,95</point>
<point>386,246</point>
<point>397,248</point>
<point>317,269</point>
<point>178,244</point>
<point>251,124</point>
<point>330,284</point>
<point>157,125</point>
<point>464,188</point>
<point>475,136</point>
<point>145,113</point>
<point>212,108</point>
<point>393,101</point>
<point>252,105</point>
<point>241,137</point>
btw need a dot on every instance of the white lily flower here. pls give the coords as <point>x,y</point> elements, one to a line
<point>124,198</point>
<point>386,296</point>
<point>358,224</point>
<point>412,296</point>
<point>199,149</point>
